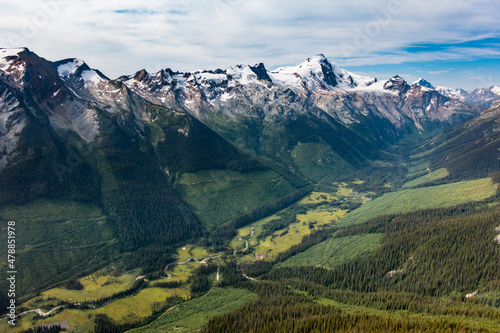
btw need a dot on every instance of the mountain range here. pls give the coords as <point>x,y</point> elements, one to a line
<point>484,97</point>
<point>372,112</point>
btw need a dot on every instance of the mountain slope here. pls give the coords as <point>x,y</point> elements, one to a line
<point>484,97</point>
<point>470,150</point>
<point>69,134</point>
<point>270,112</point>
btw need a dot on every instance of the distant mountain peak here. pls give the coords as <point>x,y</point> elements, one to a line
<point>142,75</point>
<point>495,90</point>
<point>485,97</point>
<point>13,57</point>
<point>396,83</point>
<point>261,72</point>
<point>423,83</point>
<point>320,57</point>
<point>318,73</point>
<point>5,52</point>
<point>70,67</point>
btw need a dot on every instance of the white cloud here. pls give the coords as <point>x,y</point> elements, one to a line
<point>440,72</point>
<point>121,37</point>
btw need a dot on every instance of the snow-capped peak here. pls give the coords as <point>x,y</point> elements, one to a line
<point>243,74</point>
<point>495,90</point>
<point>317,73</point>
<point>484,96</point>
<point>11,52</point>
<point>78,71</point>
<point>423,83</point>
<point>459,94</point>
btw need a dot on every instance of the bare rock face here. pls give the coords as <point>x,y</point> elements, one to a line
<point>397,83</point>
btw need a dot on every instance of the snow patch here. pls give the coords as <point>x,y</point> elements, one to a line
<point>69,68</point>
<point>351,81</point>
<point>10,52</point>
<point>226,97</point>
<point>452,93</point>
<point>91,78</point>
<point>376,87</point>
<point>243,74</point>
<point>423,83</point>
<point>495,90</point>
<point>306,74</point>
<point>180,82</point>
<point>74,92</point>
<point>4,53</point>
<point>216,78</point>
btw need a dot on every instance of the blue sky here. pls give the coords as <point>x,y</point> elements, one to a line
<point>450,43</point>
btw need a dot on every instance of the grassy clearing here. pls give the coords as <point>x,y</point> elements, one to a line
<point>336,251</point>
<point>192,315</point>
<point>325,213</point>
<point>434,175</point>
<point>57,240</point>
<point>199,253</point>
<point>122,310</point>
<point>192,251</point>
<point>422,198</point>
<point>78,321</point>
<point>184,271</point>
<point>180,272</point>
<point>140,305</point>
<point>283,239</point>
<point>22,323</point>
<point>318,198</point>
<point>342,192</point>
<point>218,196</point>
<point>321,216</point>
<point>98,285</point>
<point>416,169</point>
<point>318,162</point>
<point>183,253</point>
